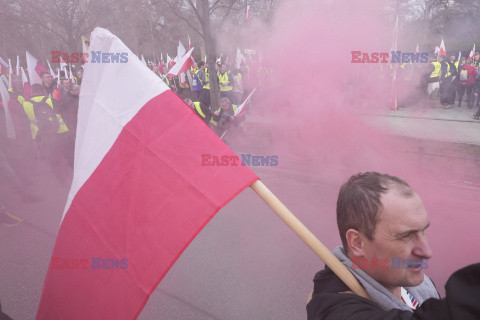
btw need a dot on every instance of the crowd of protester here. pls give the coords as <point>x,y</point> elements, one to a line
<point>45,118</point>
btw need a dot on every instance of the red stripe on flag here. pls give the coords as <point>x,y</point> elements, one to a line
<point>146,201</point>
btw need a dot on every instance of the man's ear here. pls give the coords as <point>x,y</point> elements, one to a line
<point>355,242</point>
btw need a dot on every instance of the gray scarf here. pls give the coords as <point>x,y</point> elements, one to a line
<point>381,296</point>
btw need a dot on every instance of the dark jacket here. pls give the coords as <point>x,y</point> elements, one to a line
<point>331,300</point>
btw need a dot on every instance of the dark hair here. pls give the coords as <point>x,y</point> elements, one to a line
<point>359,202</point>
<point>200,64</point>
<point>42,73</point>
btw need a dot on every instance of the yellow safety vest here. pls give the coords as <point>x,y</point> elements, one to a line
<point>438,70</point>
<point>448,70</point>
<point>199,110</point>
<point>223,78</point>
<point>456,65</point>
<point>207,78</point>
<point>29,110</point>
<point>165,79</point>
<point>234,106</point>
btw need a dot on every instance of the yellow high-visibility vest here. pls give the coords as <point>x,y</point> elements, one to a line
<point>234,106</point>
<point>199,110</point>
<point>29,110</point>
<point>223,78</point>
<point>207,82</point>
<point>438,70</point>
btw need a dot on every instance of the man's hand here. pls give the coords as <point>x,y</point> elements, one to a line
<point>217,112</point>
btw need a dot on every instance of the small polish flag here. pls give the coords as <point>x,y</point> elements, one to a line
<point>442,51</point>
<point>35,68</point>
<point>3,66</point>
<point>17,71</point>
<point>8,118</point>
<point>27,90</point>
<point>248,13</point>
<point>182,66</point>
<point>51,70</point>
<point>472,53</point>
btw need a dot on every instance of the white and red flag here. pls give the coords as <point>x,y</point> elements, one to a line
<point>417,49</point>
<point>3,66</point>
<point>51,70</point>
<point>182,66</point>
<point>27,89</point>
<point>17,67</point>
<point>35,68</point>
<point>248,16</point>
<point>10,74</point>
<point>5,105</point>
<point>139,195</point>
<point>441,50</point>
<point>160,65</point>
<point>472,53</point>
<point>190,46</point>
<point>170,62</point>
<point>240,58</point>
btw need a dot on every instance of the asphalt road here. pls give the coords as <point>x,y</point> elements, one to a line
<point>245,264</point>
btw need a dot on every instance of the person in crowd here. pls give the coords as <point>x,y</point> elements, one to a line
<point>49,130</point>
<point>445,90</point>
<point>79,75</point>
<point>466,81</point>
<point>383,223</point>
<point>237,92</point>
<point>69,107</point>
<point>48,84</point>
<point>201,109</point>
<point>225,81</point>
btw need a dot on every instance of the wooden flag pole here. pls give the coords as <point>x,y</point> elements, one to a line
<point>330,260</point>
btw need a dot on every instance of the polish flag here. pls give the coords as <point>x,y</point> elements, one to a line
<point>240,108</point>
<point>472,53</point>
<point>182,66</point>
<point>4,104</point>
<point>3,66</point>
<point>248,13</point>
<point>70,72</point>
<point>27,89</point>
<point>35,68</point>
<point>10,74</point>
<point>139,195</point>
<point>51,70</point>
<point>190,47</point>
<point>143,61</point>
<point>240,58</point>
<point>17,71</point>
<point>160,65</point>
<point>170,62</point>
<point>417,49</point>
<point>442,51</point>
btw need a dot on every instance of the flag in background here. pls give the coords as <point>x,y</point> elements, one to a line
<point>35,68</point>
<point>139,195</point>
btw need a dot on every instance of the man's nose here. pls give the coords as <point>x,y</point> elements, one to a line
<point>422,249</point>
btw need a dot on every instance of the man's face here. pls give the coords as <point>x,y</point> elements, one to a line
<point>75,92</point>
<point>47,80</point>
<point>477,56</point>
<point>223,68</point>
<point>452,58</point>
<point>80,73</point>
<point>225,106</point>
<point>399,235</point>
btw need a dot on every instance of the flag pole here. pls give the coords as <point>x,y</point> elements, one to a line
<point>319,248</point>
